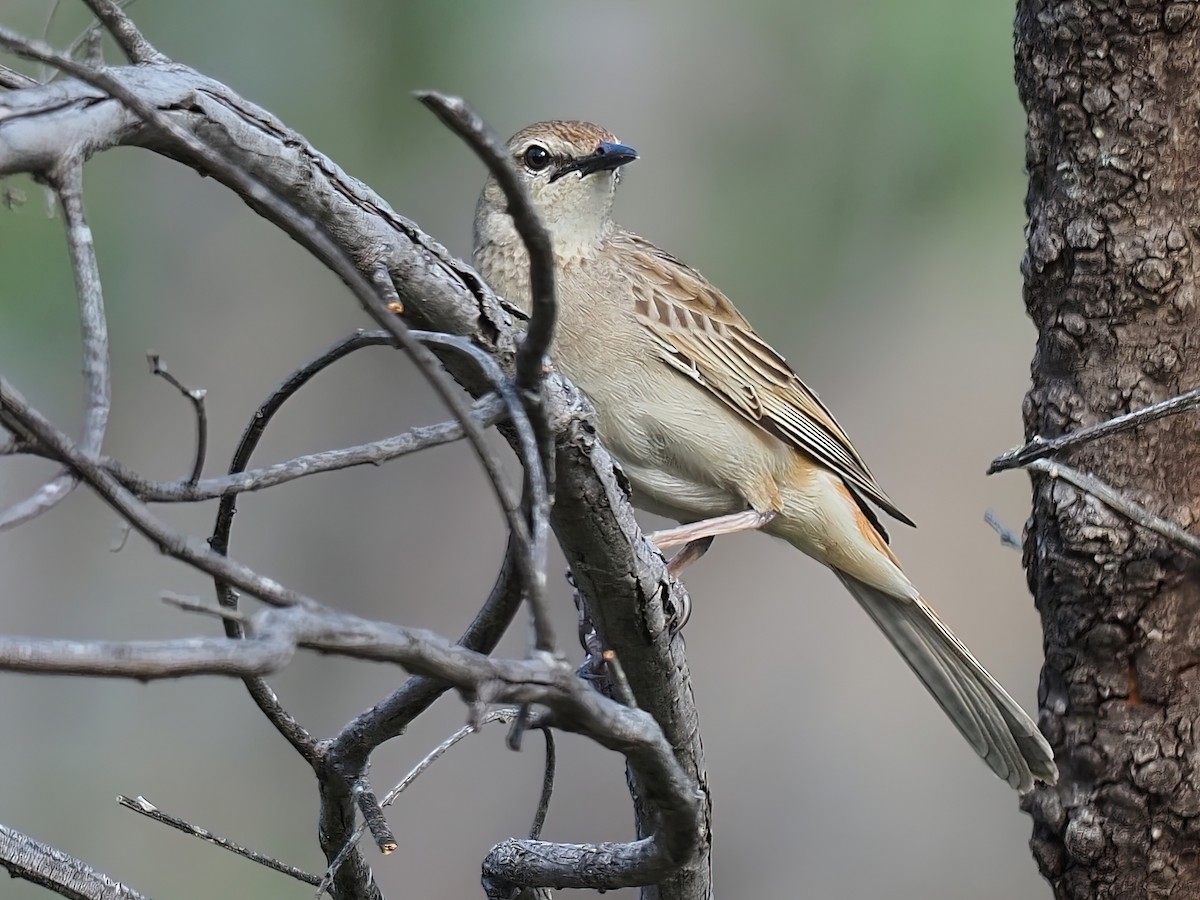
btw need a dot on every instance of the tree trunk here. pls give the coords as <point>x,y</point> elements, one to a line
<point>1112,95</point>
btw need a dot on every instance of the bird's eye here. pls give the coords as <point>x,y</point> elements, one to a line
<point>537,158</point>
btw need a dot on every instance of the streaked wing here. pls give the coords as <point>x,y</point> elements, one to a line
<point>703,336</point>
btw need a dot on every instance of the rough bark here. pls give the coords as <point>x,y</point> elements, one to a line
<point>1113,155</point>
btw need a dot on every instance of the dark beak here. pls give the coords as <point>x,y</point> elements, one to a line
<point>607,157</point>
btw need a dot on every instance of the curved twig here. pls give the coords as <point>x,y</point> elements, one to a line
<point>264,697</point>
<point>196,399</point>
<point>543,807</point>
<point>67,181</point>
<point>308,233</point>
<point>458,115</point>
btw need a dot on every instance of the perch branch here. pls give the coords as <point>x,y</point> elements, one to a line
<point>621,576</point>
<point>546,681</point>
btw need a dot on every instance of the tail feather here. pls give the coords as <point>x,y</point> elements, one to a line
<point>991,721</point>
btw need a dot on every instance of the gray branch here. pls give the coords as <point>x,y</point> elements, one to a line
<point>274,634</point>
<point>43,865</point>
<point>624,580</point>
<point>67,180</point>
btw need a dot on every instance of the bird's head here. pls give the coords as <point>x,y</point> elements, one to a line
<point>571,170</point>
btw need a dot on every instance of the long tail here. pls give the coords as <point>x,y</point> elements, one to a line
<point>991,721</point>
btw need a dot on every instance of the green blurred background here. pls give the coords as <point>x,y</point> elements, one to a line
<point>849,173</point>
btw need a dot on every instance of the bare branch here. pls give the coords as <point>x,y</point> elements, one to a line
<point>17,414</point>
<point>543,807</point>
<point>47,867</point>
<point>486,411</point>
<point>458,115</point>
<point>460,118</point>
<point>1114,499</point>
<point>308,233</point>
<point>11,78</point>
<point>1041,448</point>
<point>1008,537</point>
<point>497,715</point>
<point>144,807</point>
<point>131,41</point>
<point>576,707</point>
<point>622,577</point>
<point>67,181</point>
<point>144,660</point>
<point>196,398</point>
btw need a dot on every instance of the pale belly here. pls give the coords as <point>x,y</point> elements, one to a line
<point>686,462</point>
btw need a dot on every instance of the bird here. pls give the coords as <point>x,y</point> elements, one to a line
<point>711,425</point>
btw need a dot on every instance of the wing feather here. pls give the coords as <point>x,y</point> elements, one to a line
<point>704,337</point>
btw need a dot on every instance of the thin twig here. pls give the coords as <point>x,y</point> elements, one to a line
<point>14,80</point>
<point>196,398</point>
<point>621,690</point>
<point>131,41</point>
<point>1040,447</point>
<point>527,446</point>
<point>144,807</point>
<point>497,715</point>
<point>1114,499</point>
<point>349,751</point>
<point>460,118</point>
<point>1008,537</point>
<point>543,807</point>
<point>304,229</point>
<point>487,411</point>
<point>457,115</point>
<point>67,182</point>
<point>16,413</point>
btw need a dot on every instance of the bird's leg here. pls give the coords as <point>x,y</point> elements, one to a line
<point>747,520</point>
<point>691,552</point>
<point>697,537</point>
